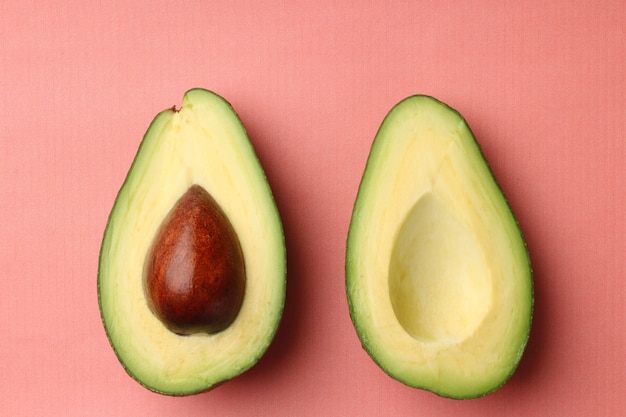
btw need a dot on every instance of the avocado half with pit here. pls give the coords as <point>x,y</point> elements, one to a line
<point>438,277</point>
<point>191,279</point>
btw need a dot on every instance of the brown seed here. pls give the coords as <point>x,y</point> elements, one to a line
<point>194,276</point>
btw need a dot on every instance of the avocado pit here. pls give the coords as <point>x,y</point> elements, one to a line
<point>194,275</point>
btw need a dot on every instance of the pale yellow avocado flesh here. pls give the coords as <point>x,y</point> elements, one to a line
<point>438,277</point>
<point>203,143</point>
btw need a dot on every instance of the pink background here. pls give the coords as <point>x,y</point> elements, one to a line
<point>542,84</point>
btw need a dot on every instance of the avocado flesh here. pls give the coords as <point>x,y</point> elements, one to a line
<point>438,277</point>
<point>203,143</point>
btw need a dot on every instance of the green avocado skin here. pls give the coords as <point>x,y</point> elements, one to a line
<point>359,268</point>
<point>202,358</point>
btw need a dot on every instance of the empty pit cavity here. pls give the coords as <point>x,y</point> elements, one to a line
<point>439,280</point>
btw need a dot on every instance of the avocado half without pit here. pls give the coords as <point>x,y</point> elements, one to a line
<point>191,280</point>
<point>438,278</point>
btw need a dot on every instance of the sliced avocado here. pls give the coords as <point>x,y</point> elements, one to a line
<point>438,278</point>
<point>191,279</point>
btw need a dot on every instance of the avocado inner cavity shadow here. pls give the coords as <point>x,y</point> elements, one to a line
<point>437,282</point>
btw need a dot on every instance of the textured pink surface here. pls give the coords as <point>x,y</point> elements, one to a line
<point>542,84</point>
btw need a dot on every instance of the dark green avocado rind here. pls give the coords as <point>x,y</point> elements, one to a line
<point>350,275</point>
<point>103,247</point>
